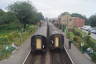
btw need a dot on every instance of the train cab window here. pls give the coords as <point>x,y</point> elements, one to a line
<point>38,43</point>
<point>56,41</point>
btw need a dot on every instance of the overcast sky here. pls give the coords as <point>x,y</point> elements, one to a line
<point>53,8</point>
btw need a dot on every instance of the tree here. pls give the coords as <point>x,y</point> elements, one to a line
<point>92,20</point>
<point>39,16</point>
<point>24,11</point>
<point>7,18</point>
<point>1,12</point>
<point>10,18</point>
<point>36,18</point>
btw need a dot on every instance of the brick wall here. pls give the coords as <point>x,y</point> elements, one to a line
<point>78,22</point>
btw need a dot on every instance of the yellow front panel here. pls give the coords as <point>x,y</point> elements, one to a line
<point>57,41</point>
<point>38,43</point>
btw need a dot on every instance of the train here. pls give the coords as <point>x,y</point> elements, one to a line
<point>39,39</point>
<point>56,38</point>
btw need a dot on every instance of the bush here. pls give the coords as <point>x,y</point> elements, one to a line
<point>78,40</point>
<point>70,35</point>
<point>93,56</point>
<point>3,41</point>
<point>16,37</point>
<point>79,37</point>
<point>1,47</point>
<point>78,32</point>
<point>8,27</point>
<point>90,42</point>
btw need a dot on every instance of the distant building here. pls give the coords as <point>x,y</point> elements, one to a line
<point>78,22</point>
<point>69,21</point>
<point>66,19</point>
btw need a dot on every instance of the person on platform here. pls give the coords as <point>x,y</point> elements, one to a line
<point>70,42</point>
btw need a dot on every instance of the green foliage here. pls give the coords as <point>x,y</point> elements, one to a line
<point>92,20</point>
<point>80,36</point>
<point>87,38</point>
<point>6,53</point>
<point>90,42</point>
<point>25,12</point>
<point>70,35</point>
<point>8,27</point>
<point>20,15</point>
<point>1,12</point>
<point>7,18</point>
<point>16,37</point>
<point>78,40</point>
<point>93,56</point>
<point>78,32</point>
<point>83,37</point>
<point>3,40</point>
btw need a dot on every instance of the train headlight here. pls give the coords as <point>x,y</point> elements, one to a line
<point>38,43</point>
<point>56,41</point>
<point>52,41</point>
<point>43,46</point>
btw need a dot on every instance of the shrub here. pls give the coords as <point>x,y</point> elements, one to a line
<point>93,56</point>
<point>3,41</point>
<point>70,35</point>
<point>78,32</point>
<point>80,36</point>
<point>77,40</point>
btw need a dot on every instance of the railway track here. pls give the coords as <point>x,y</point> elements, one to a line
<point>56,57</point>
<point>60,57</point>
<point>35,58</point>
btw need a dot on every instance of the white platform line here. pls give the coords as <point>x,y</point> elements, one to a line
<point>69,56</point>
<point>26,57</point>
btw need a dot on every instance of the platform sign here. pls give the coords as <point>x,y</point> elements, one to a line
<point>57,41</point>
<point>38,43</point>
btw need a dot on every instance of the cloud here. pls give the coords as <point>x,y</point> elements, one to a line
<point>52,8</point>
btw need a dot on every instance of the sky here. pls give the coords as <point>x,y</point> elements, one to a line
<point>53,8</point>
